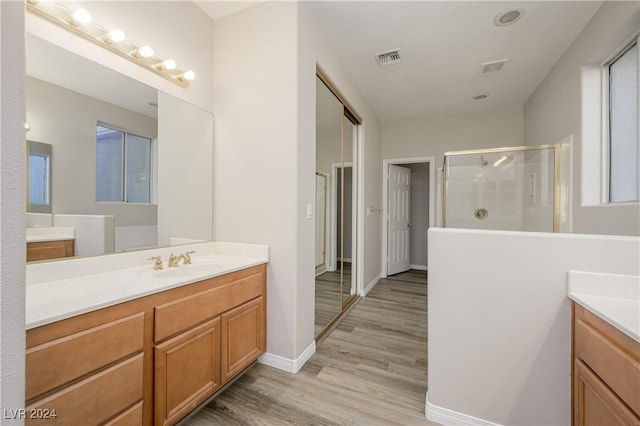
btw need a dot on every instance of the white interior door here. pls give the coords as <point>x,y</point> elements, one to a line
<point>399,208</point>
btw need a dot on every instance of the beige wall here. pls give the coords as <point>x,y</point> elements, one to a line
<point>255,157</point>
<point>553,111</point>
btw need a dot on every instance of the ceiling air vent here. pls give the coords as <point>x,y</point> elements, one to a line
<point>390,57</point>
<point>494,66</point>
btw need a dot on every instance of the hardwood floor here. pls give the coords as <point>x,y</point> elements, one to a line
<point>371,370</point>
<point>328,299</point>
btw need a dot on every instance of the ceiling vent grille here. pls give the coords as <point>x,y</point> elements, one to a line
<point>493,66</point>
<point>390,57</point>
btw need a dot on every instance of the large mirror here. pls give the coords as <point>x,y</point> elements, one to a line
<point>131,167</point>
<point>336,206</point>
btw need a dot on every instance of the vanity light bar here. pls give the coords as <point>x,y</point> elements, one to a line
<point>80,23</point>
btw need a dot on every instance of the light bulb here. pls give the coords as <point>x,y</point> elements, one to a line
<point>115,36</point>
<point>81,16</point>
<point>169,64</point>
<point>145,52</point>
<point>189,75</point>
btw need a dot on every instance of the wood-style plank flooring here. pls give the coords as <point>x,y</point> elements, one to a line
<point>328,299</point>
<point>371,370</point>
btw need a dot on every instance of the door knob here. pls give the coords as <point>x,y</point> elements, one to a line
<point>409,225</point>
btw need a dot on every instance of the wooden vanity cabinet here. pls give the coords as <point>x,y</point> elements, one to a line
<point>606,373</point>
<point>147,361</point>
<point>202,328</point>
<point>87,375</point>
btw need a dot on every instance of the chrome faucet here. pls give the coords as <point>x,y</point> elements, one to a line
<point>175,260</point>
<point>157,264</point>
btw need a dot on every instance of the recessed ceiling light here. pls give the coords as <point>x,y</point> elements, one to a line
<point>480,97</point>
<point>508,17</point>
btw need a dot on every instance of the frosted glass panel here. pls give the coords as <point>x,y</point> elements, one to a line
<point>623,119</point>
<point>138,169</point>
<point>109,164</point>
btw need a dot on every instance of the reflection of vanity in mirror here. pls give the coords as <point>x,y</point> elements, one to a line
<point>109,182</point>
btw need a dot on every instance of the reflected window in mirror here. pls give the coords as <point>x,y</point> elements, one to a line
<point>123,166</point>
<point>39,182</point>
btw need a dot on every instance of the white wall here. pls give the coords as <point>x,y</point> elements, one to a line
<point>185,171</point>
<point>435,135</point>
<point>553,111</point>
<point>499,327</point>
<point>255,159</point>
<point>67,120</point>
<point>12,215</point>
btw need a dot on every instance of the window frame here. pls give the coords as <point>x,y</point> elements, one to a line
<point>606,123</point>
<point>125,173</point>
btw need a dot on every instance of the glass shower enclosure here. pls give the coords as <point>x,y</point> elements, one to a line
<point>512,188</point>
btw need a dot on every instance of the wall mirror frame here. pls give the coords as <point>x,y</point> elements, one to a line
<point>182,136</point>
<point>337,189</point>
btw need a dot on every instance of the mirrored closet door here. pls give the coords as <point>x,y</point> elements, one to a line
<point>336,205</point>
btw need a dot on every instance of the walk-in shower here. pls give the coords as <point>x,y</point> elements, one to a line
<point>512,188</point>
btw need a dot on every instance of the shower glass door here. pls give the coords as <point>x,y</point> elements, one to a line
<point>504,189</point>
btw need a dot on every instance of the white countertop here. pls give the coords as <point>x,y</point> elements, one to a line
<point>62,289</point>
<point>50,233</point>
<point>612,297</point>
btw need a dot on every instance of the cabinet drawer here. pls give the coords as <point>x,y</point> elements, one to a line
<point>131,417</point>
<point>611,356</point>
<point>60,361</point>
<point>97,398</point>
<point>176,316</point>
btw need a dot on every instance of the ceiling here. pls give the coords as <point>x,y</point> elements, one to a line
<point>443,46</point>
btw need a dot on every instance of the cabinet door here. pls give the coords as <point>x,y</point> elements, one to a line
<point>243,337</point>
<point>187,371</point>
<point>595,404</point>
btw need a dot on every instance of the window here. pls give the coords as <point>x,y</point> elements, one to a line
<point>39,183</point>
<point>622,129</point>
<point>123,166</point>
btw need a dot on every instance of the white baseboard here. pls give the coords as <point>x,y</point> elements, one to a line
<point>286,364</point>
<point>419,267</point>
<point>449,417</point>
<point>321,270</point>
<point>370,286</point>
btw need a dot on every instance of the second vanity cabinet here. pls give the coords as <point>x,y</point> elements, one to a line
<point>151,360</point>
<point>606,373</point>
